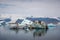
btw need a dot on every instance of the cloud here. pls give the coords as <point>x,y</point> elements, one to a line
<point>31,7</point>
<point>2,5</point>
<point>36,0</point>
<point>30,0</point>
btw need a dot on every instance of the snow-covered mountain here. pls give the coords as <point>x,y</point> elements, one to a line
<point>46,20</point>
<point>58,18</point>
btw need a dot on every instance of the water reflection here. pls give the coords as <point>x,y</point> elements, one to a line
<point>36,32</point>
<point>39,32</point>
<point>16,30</point>
<point>29,34</point>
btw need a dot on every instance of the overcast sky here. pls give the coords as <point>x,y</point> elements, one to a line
<point>22,8</point>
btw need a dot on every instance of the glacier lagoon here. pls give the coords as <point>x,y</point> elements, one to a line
<point>53,33</point>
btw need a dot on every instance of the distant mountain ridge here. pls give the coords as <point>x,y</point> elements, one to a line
<point>58,18</point>
<point>46,20</point>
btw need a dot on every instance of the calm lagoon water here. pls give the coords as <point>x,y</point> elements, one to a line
<point>53,33</point>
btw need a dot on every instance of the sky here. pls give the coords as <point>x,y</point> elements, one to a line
<point>27,8</point>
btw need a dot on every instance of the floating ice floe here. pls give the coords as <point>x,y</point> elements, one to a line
<point>51,25</point>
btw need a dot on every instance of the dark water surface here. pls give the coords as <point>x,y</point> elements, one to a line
<point>53,33</point>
